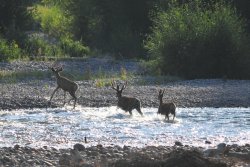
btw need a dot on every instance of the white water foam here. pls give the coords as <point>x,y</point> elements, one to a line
<point>62,128</point>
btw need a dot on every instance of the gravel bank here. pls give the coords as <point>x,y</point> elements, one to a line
<point>99,156</point>
<point>192,93</point>
<point>189,93</point>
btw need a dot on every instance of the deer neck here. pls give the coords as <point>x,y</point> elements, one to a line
<point>119,97</point>
<point>58,76</point>
<point>161,102</point>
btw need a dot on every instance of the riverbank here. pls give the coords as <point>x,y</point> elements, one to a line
<point>116,156</point>
<point>35,92</point>
<point>191,93</point>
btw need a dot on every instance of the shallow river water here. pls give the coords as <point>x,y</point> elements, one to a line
<point>63,127</point>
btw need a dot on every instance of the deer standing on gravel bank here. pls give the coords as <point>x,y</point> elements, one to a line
<point>126,103</point>
<point>166,108</point>
<point>65,84</point>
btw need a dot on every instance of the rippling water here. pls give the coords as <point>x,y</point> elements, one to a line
<point>62,128</point>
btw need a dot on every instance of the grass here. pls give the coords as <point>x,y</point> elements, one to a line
<point>15,76</point>
<point>101,77</point>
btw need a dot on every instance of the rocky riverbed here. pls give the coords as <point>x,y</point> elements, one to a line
<point>35,93</point>
<point>116,156</point>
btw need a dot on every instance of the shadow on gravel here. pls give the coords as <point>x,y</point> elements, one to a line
<point>23,103</point>
<point>186,158</point>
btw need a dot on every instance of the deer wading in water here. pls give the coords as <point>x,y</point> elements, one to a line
<point>126,103</point>
<point>65,84</point>
<point>166,108</point>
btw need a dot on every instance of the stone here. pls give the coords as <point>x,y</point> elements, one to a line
<point>76,158</point>
<point>177,143</point>
<point>64,160</point>
<point>79,147</point>
<point>207,142</point>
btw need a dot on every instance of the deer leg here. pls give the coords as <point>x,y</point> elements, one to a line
<point>167,117</point>
<point>130,112</point>
<point>139,110</point>
<point>64,98</point>
<point>53,93</point>
<point>74,97</point>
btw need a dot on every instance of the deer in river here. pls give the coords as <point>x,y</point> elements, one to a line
<point>165,108</point>
<point>126,103</point>
<point>65,84</point>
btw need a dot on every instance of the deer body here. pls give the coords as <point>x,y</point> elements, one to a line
<point>127,103</point>
<point>65,84</point>
<point>166,108</point>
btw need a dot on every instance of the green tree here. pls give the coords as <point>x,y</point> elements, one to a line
<point>194,40</point>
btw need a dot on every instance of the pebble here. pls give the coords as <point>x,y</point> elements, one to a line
<point>79,147</point>
<point>177,143</point>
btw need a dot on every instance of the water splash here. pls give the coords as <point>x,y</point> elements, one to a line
<point>62,128</point>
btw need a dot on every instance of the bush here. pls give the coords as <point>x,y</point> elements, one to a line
<point>200,41</point>
<point>41,47</point>
<point>53,20</point>
<point>73,48</point>
<point>9,50</point>
<point>57,23</point>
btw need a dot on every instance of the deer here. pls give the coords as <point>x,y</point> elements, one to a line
<point>65,84</point>
<point>124,102</point>
<point>165,108</point>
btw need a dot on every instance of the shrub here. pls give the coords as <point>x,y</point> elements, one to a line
<point>9,50</point>
<point>200,41</point>
<point>73,48</point>
<point>39,47</point>
<point>53,20</point>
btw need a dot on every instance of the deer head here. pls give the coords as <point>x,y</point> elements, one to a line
<point>56,67</point>
<point>161,92</point>
<point>118,90</point>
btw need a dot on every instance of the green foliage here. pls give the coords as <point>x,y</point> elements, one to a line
<point>116,27</point>
<point>198,41</point>
<point>39,48</point>
<point>9,50</point>
<point>58,24</point>
<point>53,20</point>
<point>73,48</point>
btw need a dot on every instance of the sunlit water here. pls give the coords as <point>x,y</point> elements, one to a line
<point>63,127</point>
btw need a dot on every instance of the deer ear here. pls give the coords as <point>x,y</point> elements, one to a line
<point>60,69</point>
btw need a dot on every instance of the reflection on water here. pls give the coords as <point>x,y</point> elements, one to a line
<point>63,128</point>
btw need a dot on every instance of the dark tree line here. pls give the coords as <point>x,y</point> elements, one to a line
<point>121,27</point>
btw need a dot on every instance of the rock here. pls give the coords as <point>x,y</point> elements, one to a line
<point>222,148</point>
<point>207,142</point>
<point>126,147</point>
<point>99,146</point>
<point>79,147</point>
<point>65,160</point>
<point>76,158</point>
<point>16,147</point>
<point>177,143</point>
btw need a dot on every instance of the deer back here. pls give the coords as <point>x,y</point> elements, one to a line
<point>166,108</point>
<point>128,103</point>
